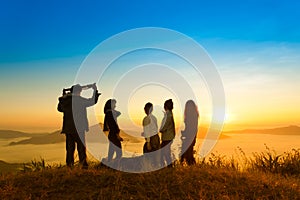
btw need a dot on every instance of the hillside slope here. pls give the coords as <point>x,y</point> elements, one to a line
<point>169,183</point>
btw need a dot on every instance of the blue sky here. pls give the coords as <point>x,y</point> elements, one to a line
<point>255,45</point>
<point>33,30</point>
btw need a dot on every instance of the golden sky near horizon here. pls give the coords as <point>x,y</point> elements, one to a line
<point>254,99</point>
<point>261,88</point>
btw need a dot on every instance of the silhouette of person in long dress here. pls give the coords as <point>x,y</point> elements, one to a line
<point>151,134</point>
<point>75,122</point>
<point>189,134</point>
<point>167,132</point>
<point>110,124</point>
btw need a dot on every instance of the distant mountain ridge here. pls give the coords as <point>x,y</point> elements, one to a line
<point>57,137</point>
<point>93,134</point>
<point>9,134</point>
<point>50,138</point>
<point>288,130</point>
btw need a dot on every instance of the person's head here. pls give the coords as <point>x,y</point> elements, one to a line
<point>110,105</point>
<point>148,108</point>
<point>168,105</point>
<point>76,89</point>
<point>191,109</point>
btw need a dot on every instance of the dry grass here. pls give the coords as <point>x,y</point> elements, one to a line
<point>201,181</point>
<point>287,164</point>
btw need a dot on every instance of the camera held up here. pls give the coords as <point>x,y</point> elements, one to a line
<point>78,87</point>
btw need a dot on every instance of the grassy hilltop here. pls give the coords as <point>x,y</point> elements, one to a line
<point>267,176</point>
<point>179,183</point>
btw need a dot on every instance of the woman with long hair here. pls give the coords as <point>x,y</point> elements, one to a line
<point>189,134</point>
<point>110,124</point>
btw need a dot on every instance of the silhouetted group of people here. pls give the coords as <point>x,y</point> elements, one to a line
<point>167,131</point>
<point>75,124</point>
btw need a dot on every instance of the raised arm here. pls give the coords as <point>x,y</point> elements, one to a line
<point>93,100</point>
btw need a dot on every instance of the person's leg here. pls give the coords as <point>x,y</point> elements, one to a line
<point>118,149</point>
<point>183,158</point>
<point>191,158</point>
<point>162,155</point>
<point>81,149</point>
<point>155,146</point>
<point>166,152</point>
<point>190,155</point>
<point>187,155</point>
<point>156,156</point>
<point>70,148</point>
<point>155,143</point>
<point>145,150</point>
<point>110,151</point>
<point>184,150</point>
